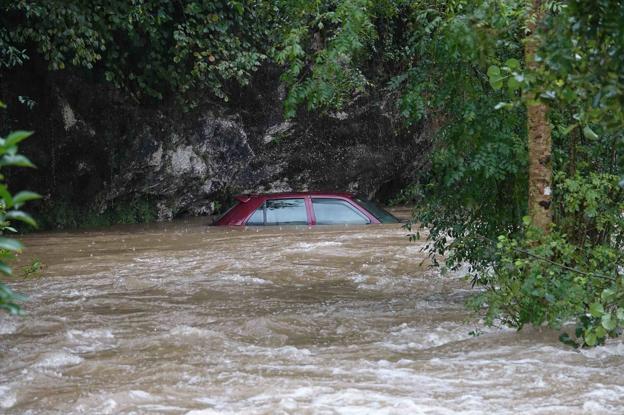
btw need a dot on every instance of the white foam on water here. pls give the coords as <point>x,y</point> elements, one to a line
<point>139,394</point>
<point>603,399</point>
<point>359,278</point>
<point>7,397</point>
<point>160,408</point>
<point>7,325</point>
<point>58,359</point>
<point>405,337</point>
<point>244,279</point>
<point>604,392</point>
<point>380,233</point>
<point>83,341</point>
<point>277,354</point>
<point>75,293</point>
<point>311,246</point>
<point>352,401</point>
<point>190,331</point>
<point>612,348</point>
<point>293,352</point>
<point>379,282</point>
<point>109,406</point>
<point>596,408</point>
<point>128,282</point>
<point>89,334</point>
<point>208,412</point>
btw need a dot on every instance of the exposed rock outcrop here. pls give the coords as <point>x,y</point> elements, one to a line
<point>95,149</point>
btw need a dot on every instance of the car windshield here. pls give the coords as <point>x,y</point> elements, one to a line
<point>230,205</point>
<point>377,211</point>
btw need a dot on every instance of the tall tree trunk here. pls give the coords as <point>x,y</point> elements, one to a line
<point>539,137</point>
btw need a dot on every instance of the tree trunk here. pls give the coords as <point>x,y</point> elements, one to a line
<point>539,137</point>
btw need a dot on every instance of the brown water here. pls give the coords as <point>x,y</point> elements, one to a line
<point>184,318</point>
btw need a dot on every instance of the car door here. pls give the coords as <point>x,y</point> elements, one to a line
<point>335,211</point>
<point>280,211</point>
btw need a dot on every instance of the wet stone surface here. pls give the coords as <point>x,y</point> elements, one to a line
<point>185,318</point>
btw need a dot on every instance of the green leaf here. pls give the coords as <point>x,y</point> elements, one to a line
<point>22,217</point>
<point>620,314</point>
<point>496,83</point>
<point>512,63</point>
<point>607,294</point>
<point>493,71</point>
<point>567,130</point>
<point>10,244</point>
<point>590,339</point>
<point>15,160</point>
<point>513,84</point>
<point>608,322</point>
<point>6,196</point>
<point>596,310</point>
<point>494,75</point>
<point>589,133</point>
<point>5,269</point>
<point>16,137</point>
<point>25,196</point>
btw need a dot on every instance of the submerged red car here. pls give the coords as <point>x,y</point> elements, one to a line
<point>309,208</point>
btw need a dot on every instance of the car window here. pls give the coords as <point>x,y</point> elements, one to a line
<point>286,212</point>
<point>257,218</point>
<point>377,211</point>
<point>336,211</point>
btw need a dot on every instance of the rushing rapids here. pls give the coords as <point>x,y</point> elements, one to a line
<point>184,318</point>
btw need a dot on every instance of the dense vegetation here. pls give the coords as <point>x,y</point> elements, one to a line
<point>10,211</point>
<point>150,48</point>
<point>479,70</point>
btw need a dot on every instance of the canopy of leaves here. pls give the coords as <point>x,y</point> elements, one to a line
<point>147,47</point>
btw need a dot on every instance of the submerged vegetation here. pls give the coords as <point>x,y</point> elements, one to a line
<point>64,215</point>
<point>522,94</point>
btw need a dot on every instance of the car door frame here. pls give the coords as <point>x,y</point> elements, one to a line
<point>264,200</point>
<point>364,212</point>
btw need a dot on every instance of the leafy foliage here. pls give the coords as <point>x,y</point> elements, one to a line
<point>323,74</point>
<point>578,272</point>
<point>10,206</point>
<point>575,272</point>
<point>461,64</point>
<point>147,47</point>
<point>477,186</point>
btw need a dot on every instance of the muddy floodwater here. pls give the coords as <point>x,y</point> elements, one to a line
<point>185,318</point>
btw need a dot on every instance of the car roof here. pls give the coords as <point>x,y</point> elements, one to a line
<point>248,196</point>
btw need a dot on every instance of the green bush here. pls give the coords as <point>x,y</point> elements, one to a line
<point>575,273</point>
<point>10,210</point>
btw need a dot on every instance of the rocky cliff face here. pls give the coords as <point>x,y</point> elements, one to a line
<point>95,150</point>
